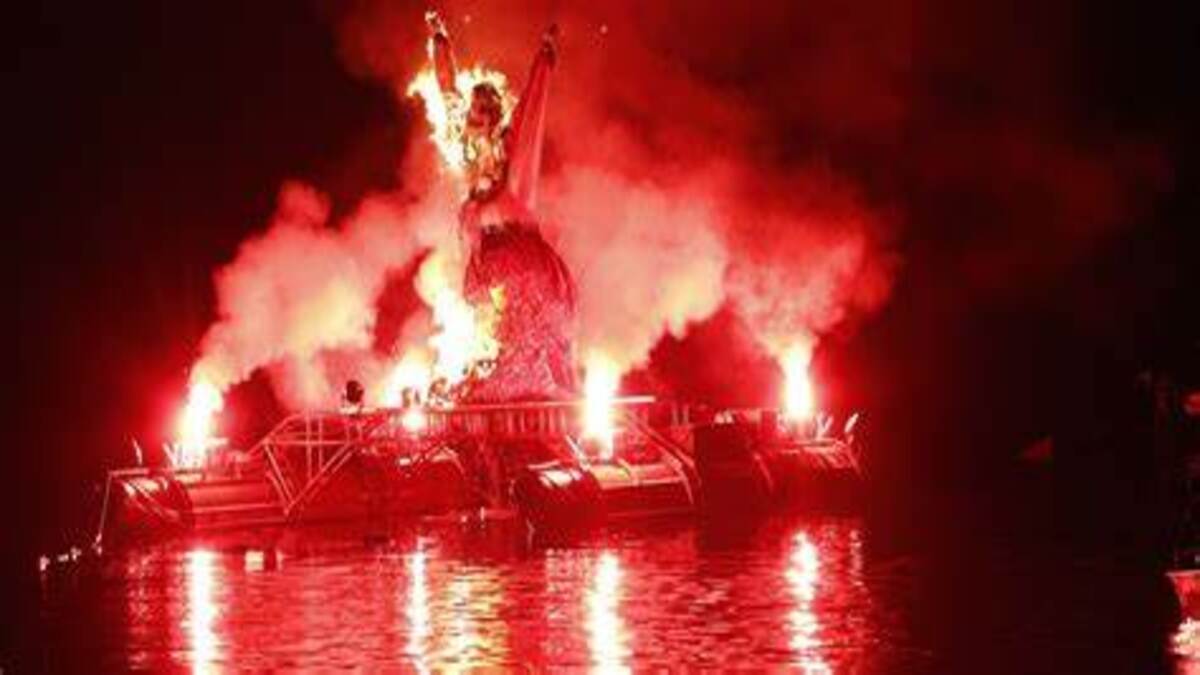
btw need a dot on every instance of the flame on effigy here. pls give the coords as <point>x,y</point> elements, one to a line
<point>463,339</point>
<point>447,114</point>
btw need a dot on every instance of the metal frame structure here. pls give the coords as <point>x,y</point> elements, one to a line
<point>303,453</point>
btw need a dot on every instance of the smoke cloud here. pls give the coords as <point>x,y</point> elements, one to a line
<point>646,260</point>
<point>300,299</point>
<point>663,214</point>
<point>701,156</point>
<point>663,188</point>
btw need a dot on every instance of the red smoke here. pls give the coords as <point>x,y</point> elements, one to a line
<point>664,190</point>
<point>765,157</point>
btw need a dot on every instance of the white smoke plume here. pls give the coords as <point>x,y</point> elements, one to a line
<point>646,261</point>
<point>300,298</point>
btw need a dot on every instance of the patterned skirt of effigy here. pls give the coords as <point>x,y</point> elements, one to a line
<point>514,269</point>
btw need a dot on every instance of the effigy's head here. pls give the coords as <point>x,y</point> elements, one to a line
<point>487,108</point>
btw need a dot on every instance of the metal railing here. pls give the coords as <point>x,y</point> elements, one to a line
<point>303,453</point>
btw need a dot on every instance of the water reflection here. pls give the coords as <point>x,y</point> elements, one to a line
<point>474,634</point>
<point>417,611</point>
<point>202,610</point>
<point>445,598</point>
<point>606,632</point>
<point>803,573</point>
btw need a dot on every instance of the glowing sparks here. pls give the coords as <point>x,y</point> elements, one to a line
<point>600,389</point>
<point>447,112</point>
<point>799,403</point>
<point>197,424</point>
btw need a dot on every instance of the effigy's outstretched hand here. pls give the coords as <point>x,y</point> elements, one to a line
<point>441,52</point>
<point>435,23</point>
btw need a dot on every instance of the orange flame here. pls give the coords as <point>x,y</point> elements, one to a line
<point>464,336</point>
<point>466,333</point>
<point>197,424</point>
<point>447,112</point>
<point>600,389</point>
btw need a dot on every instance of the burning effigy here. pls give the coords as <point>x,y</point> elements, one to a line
<point>511,269</point>
<point>497,408</point>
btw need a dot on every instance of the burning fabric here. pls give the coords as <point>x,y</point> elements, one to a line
<point>511,269</point>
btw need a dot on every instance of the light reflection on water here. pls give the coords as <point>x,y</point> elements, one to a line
<point>436,599</point>
<point>804,573</point>
<point>605,630</point>
<point>202,610</point>
<point>792,592</point>
<point>417,611</point>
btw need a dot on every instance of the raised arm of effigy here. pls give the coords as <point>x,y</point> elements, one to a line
<point>527,128</point>
<point>441,54</point>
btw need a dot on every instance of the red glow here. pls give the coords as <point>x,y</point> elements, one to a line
<point>799,403</point>
<point>606,631</point>
<point>195,434</point>
<point>804,575</point>
<point>417,609</point>
<point>600,389</point>
<point>202,610</point>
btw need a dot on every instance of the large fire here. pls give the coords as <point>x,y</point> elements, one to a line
<point>447,114</point>
<point>196,428</point>
<point>600,390</point>
<point>463,340</point>
<point>799,404</point>
<point>465,333</point>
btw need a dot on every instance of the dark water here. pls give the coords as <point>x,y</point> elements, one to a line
<point>820,595</point>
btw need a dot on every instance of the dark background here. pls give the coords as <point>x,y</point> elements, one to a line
<point>151,139</point>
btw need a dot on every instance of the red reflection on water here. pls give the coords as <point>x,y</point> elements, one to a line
<point>446,600</point>
<point>452,614</point>
<point>803,574</point>
<point>202,610</point>
<point>417,610</point>
<point>476,636</point>
<point>606,630</point>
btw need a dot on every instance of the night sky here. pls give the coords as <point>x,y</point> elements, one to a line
<point>1041,173</point>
